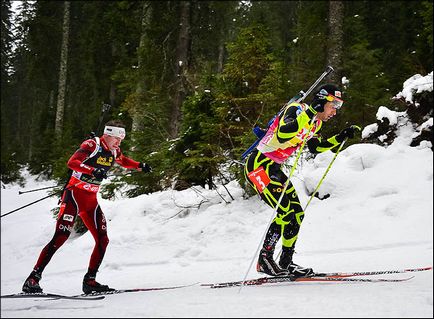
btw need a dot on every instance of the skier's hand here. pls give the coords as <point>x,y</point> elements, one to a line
<point>347,133</point>
<point>99,173</point>
<point>145,167</point>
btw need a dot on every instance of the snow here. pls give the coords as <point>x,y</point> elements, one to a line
<point>390,115</point>
<point>426,124</point>
<point>369,130</point>
<point>416,84</point>
<point>379,216</point>
<point>400,119</point>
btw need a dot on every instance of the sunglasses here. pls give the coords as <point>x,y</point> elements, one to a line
<point>337,102</point>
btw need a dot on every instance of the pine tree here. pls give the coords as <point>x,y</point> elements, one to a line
<point>9,162</point>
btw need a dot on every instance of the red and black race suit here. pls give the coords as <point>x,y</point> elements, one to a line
<point>80,198</point>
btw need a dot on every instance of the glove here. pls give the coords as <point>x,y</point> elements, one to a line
<point>346,133</point>
<point>99,173</point>
<point>145,167</point>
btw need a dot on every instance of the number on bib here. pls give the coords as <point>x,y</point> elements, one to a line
<point>260,178</point>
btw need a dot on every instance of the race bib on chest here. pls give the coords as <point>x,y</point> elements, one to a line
<point>260,178</point>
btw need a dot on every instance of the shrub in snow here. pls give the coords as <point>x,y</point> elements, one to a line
<point>417,97</point>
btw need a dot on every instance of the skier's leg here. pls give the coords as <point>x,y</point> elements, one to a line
<point>65,221</point>
<point>291,223</point>
<point>96,223</point>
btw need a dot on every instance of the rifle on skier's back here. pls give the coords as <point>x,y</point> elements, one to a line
<point>300,96</point>
<point>104,109</point>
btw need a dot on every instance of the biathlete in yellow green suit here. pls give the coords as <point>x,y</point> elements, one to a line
<point>298,121</point>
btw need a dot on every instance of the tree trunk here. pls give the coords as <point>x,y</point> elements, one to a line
<point>137,112</point>
<point>221,56</point>
<point>112,93</point>
<point>334,39</point>
<point>58,128</point>
<point>181,68</point>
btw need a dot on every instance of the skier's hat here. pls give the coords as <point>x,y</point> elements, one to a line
<point>328,93</point>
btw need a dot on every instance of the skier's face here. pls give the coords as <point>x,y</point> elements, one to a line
<point>113,142</point>
<point>329,112</point>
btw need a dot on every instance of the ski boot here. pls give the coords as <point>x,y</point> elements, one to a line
<point>31,285</point>
<point>90,285</point>
<point>285,262</point>
<point>267,265</point>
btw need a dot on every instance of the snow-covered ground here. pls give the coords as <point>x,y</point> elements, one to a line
<point>379,216</point>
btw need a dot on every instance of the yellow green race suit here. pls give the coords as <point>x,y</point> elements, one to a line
<point>263,168</point>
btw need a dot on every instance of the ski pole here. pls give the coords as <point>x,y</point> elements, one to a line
<point>12,211</point>
<point>35,190</point>
<point>275,209</point>
<point>327,170</point>
<point>323,177</point>
<point>298,98</point>
<point>319,184</point>
<point>19,208</point>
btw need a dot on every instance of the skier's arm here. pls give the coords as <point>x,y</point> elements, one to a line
<point>126,162</point>
<point>292,120</point>
<point>317,145</point>
<point>76,160</point>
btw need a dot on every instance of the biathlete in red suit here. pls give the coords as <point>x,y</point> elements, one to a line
<point>90,164</point>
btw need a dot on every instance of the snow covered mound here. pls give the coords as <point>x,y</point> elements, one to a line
<point>415,124</point>
<point>416,85</point>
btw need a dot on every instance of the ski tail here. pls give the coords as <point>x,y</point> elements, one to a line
<point>48,296</point>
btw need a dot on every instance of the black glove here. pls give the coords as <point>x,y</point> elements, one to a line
<point>346,133</point>
<point>99,173</point>
<point>145,167</point>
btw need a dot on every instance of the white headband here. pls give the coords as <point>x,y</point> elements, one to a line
<point>115,131</point>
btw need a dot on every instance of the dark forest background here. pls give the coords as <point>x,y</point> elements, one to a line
<point>192,78</point>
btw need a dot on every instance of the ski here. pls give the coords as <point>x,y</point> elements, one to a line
<point>371,273</point>
<point>336,276</point>
<point>48,296</point>
<point>272,280</point>
<point>352,279</point>
<point>120,291</point>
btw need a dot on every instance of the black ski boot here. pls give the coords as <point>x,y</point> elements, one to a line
<point>267,265</point>
<point>31,285</point>
<point>285,262</point>
<point>90,285</point>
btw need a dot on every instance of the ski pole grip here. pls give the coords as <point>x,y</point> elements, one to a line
<point>356,127</point>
